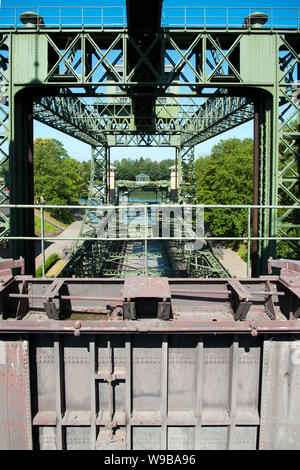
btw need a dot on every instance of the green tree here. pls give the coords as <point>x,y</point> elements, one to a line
<point>58,178</point>
<point>225,177</point>
<point>128,169</point>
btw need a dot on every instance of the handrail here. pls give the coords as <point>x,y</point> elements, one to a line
<point>196,235</point>
<point>172,17</point>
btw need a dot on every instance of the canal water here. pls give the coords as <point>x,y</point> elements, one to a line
<point>139,258</point>
<point>150,259</point>
<point>143,197</point>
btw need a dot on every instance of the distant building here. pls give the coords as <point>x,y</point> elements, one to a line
<point>142,178</point>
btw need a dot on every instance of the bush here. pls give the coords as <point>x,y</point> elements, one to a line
<point>62,215</point>
<point>48,264</point>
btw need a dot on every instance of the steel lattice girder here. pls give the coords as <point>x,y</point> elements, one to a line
<point>71,116</point>
<point>98,191</point>
<point>4,135</point>
<point>198,59</point>
<point>99,123</point>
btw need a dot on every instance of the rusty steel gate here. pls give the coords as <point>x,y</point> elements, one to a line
<point>173,364</point>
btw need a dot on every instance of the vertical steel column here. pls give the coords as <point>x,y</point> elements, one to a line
<point>174,197</point>
<point>92,353</point>
<point>267,178</point>
<point>21,177</point>
<point>199,391</point>
<point>5,43</point>
<point>187,175</point>
<point>128,390</point>
<point>255,190</point>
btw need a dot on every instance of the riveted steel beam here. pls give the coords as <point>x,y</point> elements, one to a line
<point>190,62</point>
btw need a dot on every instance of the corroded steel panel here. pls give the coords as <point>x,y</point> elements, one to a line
<point>206,378</point>
<point>15,413</point>
<point>280,407</point>
<point>151,391</point>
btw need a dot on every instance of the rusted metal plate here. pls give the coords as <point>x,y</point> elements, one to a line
<point>210,377</point>
<point>145,392</point>
<point>15,411</point>
<point>151,326</point>
<point>145,287</point>
<point>115,391</point>
<point>280,406</point>
<point>192,300</point>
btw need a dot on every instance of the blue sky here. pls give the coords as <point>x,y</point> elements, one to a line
<point>81,151</point>
<point>166,3</point>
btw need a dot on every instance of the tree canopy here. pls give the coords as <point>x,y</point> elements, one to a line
<point>226,177</point>
<point>128,169</point>
<point>58,178</point>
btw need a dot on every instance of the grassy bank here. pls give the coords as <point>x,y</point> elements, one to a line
<point>242,252</point>
<point>48,264</point>
<point>47,226</point>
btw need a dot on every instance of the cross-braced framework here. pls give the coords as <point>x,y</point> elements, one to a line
<point>288,134</point>
<point>152,93</point>
<point>4,132</point>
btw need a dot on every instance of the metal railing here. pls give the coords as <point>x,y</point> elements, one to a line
<point>67,16</point>
<point>176,17</point>
<point>189,234</point>
<point>229,17</point>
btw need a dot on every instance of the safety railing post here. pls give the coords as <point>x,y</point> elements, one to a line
<point>146,241</point>
<point>43,240</point>
<point>248,241</point>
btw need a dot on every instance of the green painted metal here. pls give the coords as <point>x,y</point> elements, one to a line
<point>71,116</point>
<point>97,195</point>
<point>110,252</point>
<point>258,64</point>
<point>160,188</point>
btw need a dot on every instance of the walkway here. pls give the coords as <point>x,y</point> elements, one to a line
<point>58,245</point>
<point>230,260</point>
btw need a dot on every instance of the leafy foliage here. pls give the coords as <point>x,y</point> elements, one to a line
<point>47,226</point>
<point>129,169</point>
<point>226,177</point>
<point>58,178</point>
<point>48,264</point>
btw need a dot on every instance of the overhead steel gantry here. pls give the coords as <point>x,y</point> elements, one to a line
<point>252,65</point>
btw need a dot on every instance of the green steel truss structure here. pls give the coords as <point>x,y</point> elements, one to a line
<point>109,88</point>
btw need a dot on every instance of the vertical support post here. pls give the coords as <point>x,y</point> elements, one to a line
<point>187,175</point>
<point>234,363</point>
<point>179,173</point>
<point>267,189</point>
<point>43,241</point>
<point>21,177</point>
<point>254,245</point>
<point>93,390</point>
<point>105,173</point>
<point>128,390</point>
<point>164,392</point>
<point>59,391</point>
<point>146,242</point>
<point>110,426</point>
<point>108,175</point>
<point>248,241</point>
<point>199,391</point>
<point>176,175</point>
